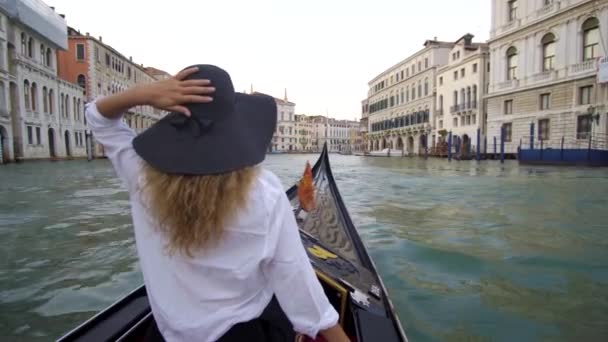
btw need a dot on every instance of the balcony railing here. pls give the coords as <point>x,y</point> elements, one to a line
<point>583,67</point>
<point>554,6</point>
<point>508,84</point>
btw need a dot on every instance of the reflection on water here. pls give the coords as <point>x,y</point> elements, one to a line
<point>468,251</point>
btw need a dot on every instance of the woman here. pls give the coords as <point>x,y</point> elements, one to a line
<point>217,240</point>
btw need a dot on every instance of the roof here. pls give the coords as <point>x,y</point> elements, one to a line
<point>157,73</point>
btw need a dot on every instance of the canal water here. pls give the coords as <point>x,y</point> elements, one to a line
<point>468,251</point>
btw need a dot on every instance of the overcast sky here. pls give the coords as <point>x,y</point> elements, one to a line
<point>323,51</point>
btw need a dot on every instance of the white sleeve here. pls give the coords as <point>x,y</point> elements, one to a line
<point>117,141</point>
<point>292,277</point>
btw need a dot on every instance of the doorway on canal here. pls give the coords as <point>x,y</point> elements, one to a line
<point>4,152</point>
<point>52,143</point>
<point>68,151</point>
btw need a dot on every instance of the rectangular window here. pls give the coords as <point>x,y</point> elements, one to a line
<point>401,74</point>
<point>107,59</point>
<point>475,68</point>
<point>30,138</point>
<point>545,100</point>
<point>456,75</point>
<point>455,122</point>
<point>512,10</point>
<point>462,72</point>
<point>508,107</point>
<point>585,95</point>
<point>507,128</point>
<point>426,63</point>
<point>474,120</point>
<point>407,72</point>
<point>38,141</point>
<point>468,119</point>
<point>543,129</point>
<point>440,124</point>
<point>80,52</point>
<point>583,126</point>
<point>97,54</point>
<point>419,65</point>
<point>440,80</point>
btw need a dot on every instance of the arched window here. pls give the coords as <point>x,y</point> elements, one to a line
<point>42,54</point>
<point>79,109</point>
<point>49,58</point>
<point>468,97</point>
<point>407,94</point>
<point>462,97</point>
<point>548,43</point>
<point>413,92</point>
<point>82,81</point>
<point>591,39</point>
<point>30,47</point>
<point>62,105</point>
<point>67,106</point>
<point>51,99</point>
<point>512,63</point>
<point>26,94</point>
<point>455,97</point>
<point>23,44</point>
<point>75,109</point>
<point>426,87</point>
<point>45,100</point>
<point>419,88</point>
<point>34,96</point>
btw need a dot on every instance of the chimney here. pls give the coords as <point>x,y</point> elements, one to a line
<point>87,34</point>
<point>435,38</point>
<point>53,8</point>
<point>101,39</point>
<point>130,58</point>
<point>62,15</point>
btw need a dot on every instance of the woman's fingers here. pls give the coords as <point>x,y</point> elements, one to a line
<point>194,83</point>
<point>180,109</point>
<point>198,90</point>
<point>195,99</point>
<point>185,73</point>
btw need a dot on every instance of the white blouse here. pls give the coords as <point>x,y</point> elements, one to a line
<point>261,254</point>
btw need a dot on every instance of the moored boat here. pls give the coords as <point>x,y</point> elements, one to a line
<point>387,152</point>
<point>340,260</point>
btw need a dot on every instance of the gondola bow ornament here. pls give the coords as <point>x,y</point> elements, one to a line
<point>306,190</point>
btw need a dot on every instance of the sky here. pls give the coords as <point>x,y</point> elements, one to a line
<point>324,52</point>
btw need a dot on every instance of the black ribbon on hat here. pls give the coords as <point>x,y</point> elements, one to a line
<point>197,125</point>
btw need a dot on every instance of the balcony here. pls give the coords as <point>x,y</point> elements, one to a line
<point>544,76</point>
<point>583,67</point>
<point>550,8</point>
<point>508,84</point>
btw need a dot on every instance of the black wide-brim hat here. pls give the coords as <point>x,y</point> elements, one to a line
<point>228,134</point>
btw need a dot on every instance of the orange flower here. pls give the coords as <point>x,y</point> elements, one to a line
<point>306,190</point>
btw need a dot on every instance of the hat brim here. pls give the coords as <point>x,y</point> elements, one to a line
<point>239,140</point>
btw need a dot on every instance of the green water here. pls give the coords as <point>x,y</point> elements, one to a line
<point>469,252</point>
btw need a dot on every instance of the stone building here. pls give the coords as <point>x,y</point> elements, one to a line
<point>401,101</point>
<point>41,116</point>
<point>461,85</point>
<point>544,66</point>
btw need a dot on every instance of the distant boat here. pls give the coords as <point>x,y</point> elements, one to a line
<point>387,152</point>
<point>345,153</point>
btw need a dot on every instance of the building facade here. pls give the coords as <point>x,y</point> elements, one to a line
<point>41,116</point>
<point>101,70</point>
<point>401,101</point>
<point>543,78</point>
<point>304,127</point>
<point>460,108</point>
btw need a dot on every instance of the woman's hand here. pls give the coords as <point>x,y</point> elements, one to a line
<point>170,94</point>
<point>173,93</point>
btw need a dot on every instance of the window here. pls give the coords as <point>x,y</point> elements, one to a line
<point>97,54</point>
<point>591,39</point>
<point>407,94</point>
<point>440,102</point>
<point>419,65</point>
<point>413,92</point>
<point>475,68</point>
<point>468,97</point>
<point>508,107</point>
<point>49,60</point>
<point>107,59</point>
<point>543,129</point>
<point>30,47</point>
<point>80,52</point>
<point>426,63</point>
<point>462,72</point>
<point>455,97</point>
<point>440,124</point>
<point>507,127</point>
<point>42,54</point>
<point>545,101</point>
<point>475,96</point>
<point>462,97</point>
<point>401,74</point>
<point>512,63</point>
<point>30,138</point>
<point>474,119</point>
<point>38,141</point>
<point>34,96</point>
<point>583,126</point>
<point>585,95</point>
<point>45,100</point>
<point>82,81</point>
<point>548,2</point>
<point>548,43</point>
<point>468,119</point>
<point>512,10</point>
<point>455,123</point>
<point>419,89</point>
<point>456,75</point>
<point>26,94</point>
<point>51,94</point>
<point>413,68</point>
<point>426,87</point>
<point>23,44</point>
<point>407,72</point>
<point>441,80</point>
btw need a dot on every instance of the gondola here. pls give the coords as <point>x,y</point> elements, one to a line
<point>337,254</point>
